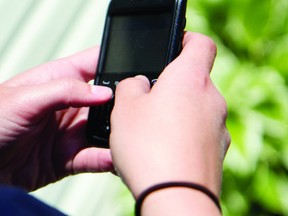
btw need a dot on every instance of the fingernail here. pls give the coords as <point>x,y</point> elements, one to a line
<point>144,78</point>
<point>101,91</point>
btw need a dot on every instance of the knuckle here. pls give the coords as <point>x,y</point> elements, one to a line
<point>207,43</point>
<point>223,109</point>
<point>65,84</point>
<point>227,142</point>
<point>220,103</point>
<point>199,40</point>
<point>68,86</point>
<point>223,105</point>
<point>228,139</point>
<point>210,45</point>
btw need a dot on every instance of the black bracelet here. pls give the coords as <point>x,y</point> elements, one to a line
<point>191,185</point>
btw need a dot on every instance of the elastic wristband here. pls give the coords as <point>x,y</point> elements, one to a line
<point>161,186</point>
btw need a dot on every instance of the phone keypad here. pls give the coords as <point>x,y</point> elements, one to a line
<point>101,114</point>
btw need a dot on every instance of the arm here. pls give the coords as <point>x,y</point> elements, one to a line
<point>173,132</point>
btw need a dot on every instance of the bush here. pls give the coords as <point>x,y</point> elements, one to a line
<point>251,71</point>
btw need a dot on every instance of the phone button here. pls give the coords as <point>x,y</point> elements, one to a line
<point>106,82</point>
<point>153,81</point>
<point>184,23</point>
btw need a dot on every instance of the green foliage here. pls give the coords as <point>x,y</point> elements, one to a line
<point>251,71</point>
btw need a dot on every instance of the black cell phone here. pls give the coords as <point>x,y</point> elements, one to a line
<point>140,37</point>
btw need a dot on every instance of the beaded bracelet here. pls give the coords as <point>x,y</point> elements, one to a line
<point>161,186</point>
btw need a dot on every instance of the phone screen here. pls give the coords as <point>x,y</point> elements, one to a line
<point>137,43</point>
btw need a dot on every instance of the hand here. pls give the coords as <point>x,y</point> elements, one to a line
<point>175,131</point>
<point>42,123</point>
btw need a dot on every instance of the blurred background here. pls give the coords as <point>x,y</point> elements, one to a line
<point>251,71</point>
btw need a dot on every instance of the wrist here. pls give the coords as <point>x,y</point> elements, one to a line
<point>178,201</point>
<point>170,166</point>
<point>208,179</point>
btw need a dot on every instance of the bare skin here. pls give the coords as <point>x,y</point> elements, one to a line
<point>42,123</point>
<point>175,131</point>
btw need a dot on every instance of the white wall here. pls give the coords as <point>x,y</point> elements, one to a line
<point>37,31</point>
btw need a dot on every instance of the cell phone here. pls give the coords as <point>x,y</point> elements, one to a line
<point>140,37</point>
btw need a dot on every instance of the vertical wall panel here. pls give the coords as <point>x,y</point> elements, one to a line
<point>34,32</point>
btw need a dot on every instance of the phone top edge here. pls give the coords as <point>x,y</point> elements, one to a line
<point>139,6</point>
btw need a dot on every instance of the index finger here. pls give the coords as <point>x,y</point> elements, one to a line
<point>80,66</point>
<point>198,52</point>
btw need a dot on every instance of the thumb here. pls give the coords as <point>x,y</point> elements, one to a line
<point>92,160</point>
<point>131,88</point>
<point>60,94</point>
